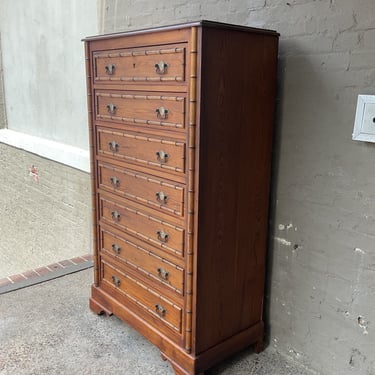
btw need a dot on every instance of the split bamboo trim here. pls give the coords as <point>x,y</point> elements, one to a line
<point>143,138</point>
<point>142,161</point>
<point>92,165</point>
<point>142,177</point>
<point>149,217</point>
<point>145,237</point>
<point>191,192</point>
<point>141,97</point>
<point>140,121</point>
<point>163,207</point>
<point>141,79</point>
<point>140,53</point>
<point>141,269</point>
<point>135,300</point>
<point>146,251</point>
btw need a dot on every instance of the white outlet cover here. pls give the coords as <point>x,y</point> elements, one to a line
<point>364,124</point>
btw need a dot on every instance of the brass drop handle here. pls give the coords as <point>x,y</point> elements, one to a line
<point>116,215</point>
<point>161,113</point>
<point>110,69</point>
<point>160,310</point>
<point>163,273</point>
<point>116,248</point>
<point>111,108</point>
<point>113,146</point>
<point>161,67</point>
<point>114,181</point>
<point>162,236</point>
<point>162,156</point>
<point>116,280</point>
<point>161,197</point>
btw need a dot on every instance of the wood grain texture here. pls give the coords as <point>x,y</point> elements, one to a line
<point>237,104</point>
<point>186,271</point>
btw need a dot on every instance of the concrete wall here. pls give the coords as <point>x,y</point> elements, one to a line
<point>42,59</point>
<point>322,254</point>
<point>2,97</point>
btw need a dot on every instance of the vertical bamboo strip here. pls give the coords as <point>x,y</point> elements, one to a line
<point>191,192</point>
<point>92,165</point>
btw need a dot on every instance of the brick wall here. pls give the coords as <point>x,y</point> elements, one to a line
<point>44,218</point>
<point>321,278</point>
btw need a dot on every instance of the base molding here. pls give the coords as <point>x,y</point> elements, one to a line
<point>182,362</point>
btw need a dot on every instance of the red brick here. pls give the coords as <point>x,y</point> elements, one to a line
<point>87,256</point>
<point>55,266</point>
<point>4,282</point>
<point>16,278</point>
<point>42,270</point>
<point>78,260</point>
<point>66,263</point>
<point>30,274</point>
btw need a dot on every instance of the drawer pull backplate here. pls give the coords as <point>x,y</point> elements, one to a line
<point>160,310</point>
<point>113,146</point>
<point>163,273</point>
<point>114,181</point>
<point>161,197</point>
<point>116,215</point>
<point>116,280</point>
<point>110,69</point>
<point>162,236</point>
<point>161,113</point>
<point>161,67</point>
<point>162,156</point>
<point>116,248</point>
<point>111,108</point>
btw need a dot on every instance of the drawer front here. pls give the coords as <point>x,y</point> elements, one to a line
<point>145,261</point>
<point>143,225</point>
<point>151,301</point>
<point>151,64</point>
<point>142,188</point>
<point>145,150</point>
<point>165,111</point>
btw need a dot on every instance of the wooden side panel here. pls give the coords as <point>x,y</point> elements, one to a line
<point>237,104</point>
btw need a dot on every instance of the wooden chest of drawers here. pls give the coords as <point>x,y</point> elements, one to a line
<point>181,122</point>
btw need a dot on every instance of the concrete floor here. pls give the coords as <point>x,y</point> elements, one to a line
<point>49,329</point>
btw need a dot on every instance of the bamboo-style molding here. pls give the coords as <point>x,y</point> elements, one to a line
<point>164,207</point>
<point>143,138</point>
<point>141,79</point>
<point>140,268</point>
<point>191,192</point>
<point>142,97</point>
<point>140,121</point>
<point>144,52</point>
<point>152,179</point>
<point>143,305</point>
<point>179,251</point>
<point>92,165</point>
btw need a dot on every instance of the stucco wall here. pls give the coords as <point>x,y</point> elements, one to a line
<point>321,277</point>
<point>44,77</point>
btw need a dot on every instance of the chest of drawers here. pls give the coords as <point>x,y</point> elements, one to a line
<point>180,123</point>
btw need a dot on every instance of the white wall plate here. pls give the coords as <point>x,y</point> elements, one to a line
<point>364,124</point>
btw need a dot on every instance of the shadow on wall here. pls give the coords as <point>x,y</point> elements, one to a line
<point>297,128</point>
<point>321,235</point>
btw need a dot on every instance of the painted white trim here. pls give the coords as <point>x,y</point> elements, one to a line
<point>72,156</point>
<point>359,131</point>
